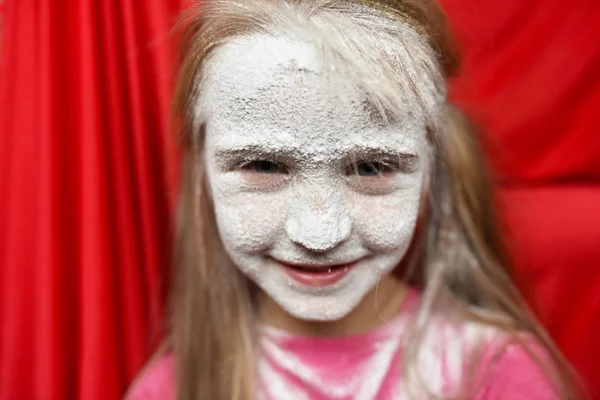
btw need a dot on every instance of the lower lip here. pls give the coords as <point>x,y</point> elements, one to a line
<point>318,279</point>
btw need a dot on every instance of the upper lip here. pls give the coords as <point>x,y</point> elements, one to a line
<point>317,265</point>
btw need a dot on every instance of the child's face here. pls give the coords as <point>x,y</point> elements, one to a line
<point>301,176</point>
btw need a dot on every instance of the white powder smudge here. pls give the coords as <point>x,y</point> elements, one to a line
<point>357,381</point>
<point>273,97</point>
<point>266,99</point>
<point>288,374</point>
<point>441,359</point>
<point>275,386</point>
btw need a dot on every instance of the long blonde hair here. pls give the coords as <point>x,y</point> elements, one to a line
<point>458,256</point>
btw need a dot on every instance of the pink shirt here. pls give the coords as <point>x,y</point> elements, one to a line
<point>368,366</point>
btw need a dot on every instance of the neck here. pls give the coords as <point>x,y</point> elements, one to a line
<point>379,306</point>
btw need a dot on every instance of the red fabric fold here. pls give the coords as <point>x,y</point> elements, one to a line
<point>87,168</point>
<point>85,194</point>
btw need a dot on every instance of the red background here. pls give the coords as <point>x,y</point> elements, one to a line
<point>531,78</point>
<point>87,181</point>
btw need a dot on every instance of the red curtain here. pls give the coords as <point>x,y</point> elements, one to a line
<point>531,78</point>
<point>84,205</point>
<point>86,184</point>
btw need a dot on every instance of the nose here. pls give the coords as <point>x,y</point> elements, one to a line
<point>318,220</point>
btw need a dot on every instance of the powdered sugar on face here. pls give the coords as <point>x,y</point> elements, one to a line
<point>287,165</point>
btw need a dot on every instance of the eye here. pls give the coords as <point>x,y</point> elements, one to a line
<point>262,174</point>
<point>370,168</point>
<point>379,174</point>
<point>264,167</point>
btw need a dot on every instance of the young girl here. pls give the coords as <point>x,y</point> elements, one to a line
<point>335,232</point>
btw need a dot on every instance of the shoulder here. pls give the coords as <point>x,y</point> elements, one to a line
<point>500,364</point>
<point>517,369</point>
<point>156,381</point>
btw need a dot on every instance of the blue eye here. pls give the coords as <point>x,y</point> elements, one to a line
<point>264,167</point>
<point>370,168</point>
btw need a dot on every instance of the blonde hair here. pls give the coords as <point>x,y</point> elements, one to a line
<point>457,257</point>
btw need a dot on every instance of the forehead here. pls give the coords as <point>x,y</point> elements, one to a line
<point>281,89</point>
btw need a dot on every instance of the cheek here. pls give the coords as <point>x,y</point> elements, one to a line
<point>387,223</point>
<point>249,222</point>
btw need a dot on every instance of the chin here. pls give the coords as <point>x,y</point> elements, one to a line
<point>317,314</point>
<point>319,307</point>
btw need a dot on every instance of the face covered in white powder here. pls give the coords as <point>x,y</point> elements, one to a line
<point>315,199</point>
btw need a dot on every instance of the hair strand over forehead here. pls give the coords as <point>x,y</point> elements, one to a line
<point>383,48</point>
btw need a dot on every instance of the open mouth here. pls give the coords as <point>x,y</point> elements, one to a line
<point>319,270</point>
<point>317,275</point>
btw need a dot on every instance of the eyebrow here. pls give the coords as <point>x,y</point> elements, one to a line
<point>252,151</point>
<point>375,152</point>
<point>228,158</point>
<point>408,161</point>
<point>257,151</point>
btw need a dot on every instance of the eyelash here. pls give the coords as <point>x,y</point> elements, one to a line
<point>252,165</point>
<point>374,168</point>
<point>379,167</point>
